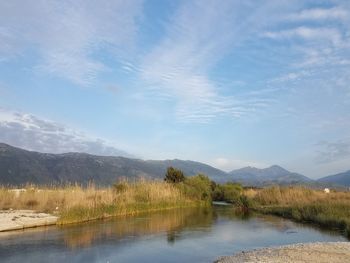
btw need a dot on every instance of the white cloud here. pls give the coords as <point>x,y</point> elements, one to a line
<point>307,33</point>
<point>33,133</point>
<point>320,49</point>
<point>334,13</point>
<point>66,35</point>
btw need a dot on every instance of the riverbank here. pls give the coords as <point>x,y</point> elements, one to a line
<point>330,210</point>
<point>336,252</point>
<point>75,204</point>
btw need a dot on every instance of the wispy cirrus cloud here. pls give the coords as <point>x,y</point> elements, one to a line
<point>319,39</point>
<point>198,36</point>
<point>67,35</point>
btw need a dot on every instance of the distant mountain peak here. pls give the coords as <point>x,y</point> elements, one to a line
<point>275,166</point>
<point>276,169</point>
<point>246,168</point>
<point>274,174</point>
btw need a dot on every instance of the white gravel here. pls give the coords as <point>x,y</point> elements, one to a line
<point>307,252</point>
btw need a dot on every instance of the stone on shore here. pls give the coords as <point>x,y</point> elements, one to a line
<point>336,252</point>
<point>20,219</point>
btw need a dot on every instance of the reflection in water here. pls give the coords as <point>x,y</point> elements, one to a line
<point>179,235</point>
<point>287,226</point>
<point>170,221</point>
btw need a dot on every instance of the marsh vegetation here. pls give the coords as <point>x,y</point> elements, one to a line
<point>75,203</point>
<point>302,204</point>
<point>78,204</point>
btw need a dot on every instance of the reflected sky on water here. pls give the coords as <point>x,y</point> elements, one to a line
<point>180,235</point>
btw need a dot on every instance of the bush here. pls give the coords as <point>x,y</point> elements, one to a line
<point>229,192</point>
<point>197,187</point>
<point>232,192</point>
<point>174,175</point>
<point>218,193</point>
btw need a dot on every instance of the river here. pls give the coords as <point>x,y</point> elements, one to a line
<point>179,235</point>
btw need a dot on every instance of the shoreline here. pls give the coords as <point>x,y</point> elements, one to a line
<point>287,213</point>
<point>12,220</point>
<point>337,252</point>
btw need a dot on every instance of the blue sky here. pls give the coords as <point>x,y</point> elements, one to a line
<point>229,83</point>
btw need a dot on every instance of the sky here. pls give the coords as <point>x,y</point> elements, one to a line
<point>228,83</point>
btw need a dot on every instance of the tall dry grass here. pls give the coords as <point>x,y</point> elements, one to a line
<point>52,199</point>
<point>303,204</point>
<point>76,203</point>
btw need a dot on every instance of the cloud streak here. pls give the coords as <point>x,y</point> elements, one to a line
<point>319,40</point>
<point>198,36</point>
<point>67,35</point>
<point>334,13</point>
<point>307,33</point>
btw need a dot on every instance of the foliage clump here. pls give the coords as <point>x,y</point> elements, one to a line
<point>228,192</point>
<point>174,175</point>
<point>197,187</point>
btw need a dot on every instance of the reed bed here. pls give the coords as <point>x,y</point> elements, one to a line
<point>76,204</point>
<point>306,205</point>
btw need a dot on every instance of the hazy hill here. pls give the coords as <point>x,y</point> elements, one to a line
<point>18,166</point>
<point>271,175</point>
<point>341,179</point>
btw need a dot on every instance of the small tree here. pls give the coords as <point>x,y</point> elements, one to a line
<point>174,175</point>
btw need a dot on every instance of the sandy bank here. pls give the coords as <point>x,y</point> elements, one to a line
<point>20,219</point>
<point>309,252</point>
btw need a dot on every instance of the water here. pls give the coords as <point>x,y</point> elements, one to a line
<point>181,235</point>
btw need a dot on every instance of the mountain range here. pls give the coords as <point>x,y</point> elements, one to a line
<point>267,176</point>
<point>341,179</point>
<point>19,166</point>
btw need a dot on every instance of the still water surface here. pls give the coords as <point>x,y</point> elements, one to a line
<point>181,235</point>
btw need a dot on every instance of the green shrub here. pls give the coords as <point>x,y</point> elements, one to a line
<point>229,192</point>
<point>197,187</point>
<point>174,175</point>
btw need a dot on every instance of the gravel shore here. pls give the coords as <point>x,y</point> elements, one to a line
<point>308,252</point>
<point>20,219</point>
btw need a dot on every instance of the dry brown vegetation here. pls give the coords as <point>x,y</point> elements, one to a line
<point>75,203</point>
<point>303,204</point>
